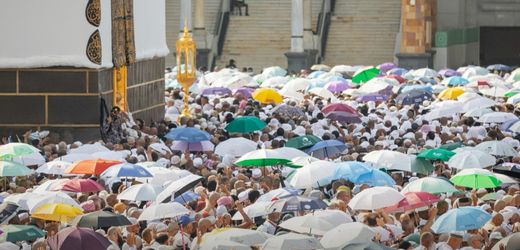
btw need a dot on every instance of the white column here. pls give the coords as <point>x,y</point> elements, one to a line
<point>199,30</point>
<point>185,16</point>
<point>297,26</point>
<point>308,41</point>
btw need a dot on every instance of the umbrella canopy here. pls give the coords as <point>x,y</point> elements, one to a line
<point>216,91</point>
<point>159,211</point>
<point>243,236</point>
<point>163,176</point>
<point>245,124</point>
<point>322,92</point>
<point>497,117</point>
<point>288,110</point>
<point>477,112</point>
<point>291,153</point>
<point>316,223</point>
<point>375,198</point>
<point>220,244</point>
<point>510,242</point>
<point>347,234</point>
<point>11,168</point>
<point>126,170</point>
<point>471,159</point>
<point>413,200</point>
<point>261,158</point>
<point>14,149</point>
<point>389,159</point>
<point>296,203</point>
<point>73,157</point>
<point>509,169</point>
<point>56,212</point>
<point>476,178</point>
<point>436,154</point>
<point>478,102</point>
<point>497,148</point>
<point>187,197</point>
<point>320,67</point>
<point>21,199</point>
<point>101,219</point>
<point>350,170</point>
<point>455,81</point>
<point>413,97</point>
<point>15,233</point>
<point>374,178</point>
<point>267,96</point>
<point>55,167</point>
<point>277,194</point>
<point>337,86</point>
<point>317,173</point>
<point>450,94</point>
<point>30,160</point>
<point>461,219</point>
<point>78,238</point>
<point>245,92</point>
<point>49,198</point>
<point>229,147</point>
<point>327,149</point>
<point>341,112</point>
<point>431,185</point>
<point>140,192</point>
<point>178,187</point>
<point>292,241</point>
<point>80,186</point>
<point>49,185</point>
<point>301,142</point>
<point>274,71</point>
<point>199,146</point>
<point>188,135</point>
<point>95,167</point>
<point>89,149</point>
<point>372,98</point>
<point>421,165</point>
<point>365,74</point>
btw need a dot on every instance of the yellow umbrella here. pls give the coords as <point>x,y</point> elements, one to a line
<point>267,96</point>
<point>56,212</point>
<point>451,93</point>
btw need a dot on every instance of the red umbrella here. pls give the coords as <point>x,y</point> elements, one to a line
<point>341,112</point>
<point>413,200</point>
<point>96,167</point>
<point>80,186</point>
<point>78,238</point>
<point>399,78</point>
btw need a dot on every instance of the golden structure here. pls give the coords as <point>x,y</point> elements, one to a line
<point>186,49</point>
<point>120,84</point>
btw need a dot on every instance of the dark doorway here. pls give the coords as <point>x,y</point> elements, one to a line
<point>500,45</point>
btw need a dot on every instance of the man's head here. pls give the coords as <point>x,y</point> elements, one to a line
<point>114,233</point>
<point>426,239</point>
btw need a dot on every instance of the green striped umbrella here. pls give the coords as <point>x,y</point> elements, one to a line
<point>365,74</point>
<point>301,142</point>
<point>512,92</point>
<point>261,158</point>
<point>11,168</point>
<point>476,178</point>
<point>15,233</point>
<point>436,154</point>
<point>245,124</point>
<point>421,165</point>
<point>16,149</point>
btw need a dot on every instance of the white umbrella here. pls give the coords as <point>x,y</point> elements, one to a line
<point>242,236</point>
<point>514,99</point>
<point>497,148</point>
<point>322,92</point>
<point>479,102</point>
<point>505,179</point>
<point>347,234</point>
<point>89,149</point>
<point>389,160</point>
<point>53,167</point>
<point>474,71</point>
<point>317,173</point>
<point>274,82</point>
<point>259,208</point>
<point>292,241</point>
<point>515,127</point>
<point>317,223</point>
<point>344,69</point>
<point>290,93</point>
<point>112,155</point>
<point>163,210</point>
<point>178,187</point>
<point>161,148</point>
<point>374,85</point>
<point>471,159</point>
<point>424,72</point>
<point>51,197</point>
<point>478,112</point>
<point>163,175</point>
<point>496,91</point>
<point>49,185</point>
<point>290,153</point>
<point>297,84</point>
<point>497,117</point>
<point>9,246</point>
<point>263,154</point>
<point>431,185</point>
<point>466,96</point>
<point>22,199</point>
<point>220,244</point>
<point>240,80</point>
<point>235,147</point>
<point>30,160</point>
<point>150,164</point>
<point>72,157</point>
<point>140,192</point>
<point>374,198</point>
<point>303,160</point>
<point>444,109</point>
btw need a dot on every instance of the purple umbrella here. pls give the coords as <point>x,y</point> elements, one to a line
<point>372,97</point>
<point>386,66</point>
<point>246,92</point>
<point>337,86</point>
<point>201,146</point>
<point>78,238</point>
<point>216,91</point>
<point>397,71</point>
<point>448,72</point>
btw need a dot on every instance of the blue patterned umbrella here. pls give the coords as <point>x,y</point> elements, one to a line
<point>327,149</point>
<point>416,96</point>
<point>461,219</point>
<point>188,135</point>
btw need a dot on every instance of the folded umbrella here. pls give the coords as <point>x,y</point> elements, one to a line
<point>178,187</point>
<point>78,238</point>
<point>461,219</point>
<point>101,219</point>
<point>159,211</point>
<point>375,198</point>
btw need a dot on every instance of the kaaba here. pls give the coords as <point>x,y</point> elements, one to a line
<point>61,59</point>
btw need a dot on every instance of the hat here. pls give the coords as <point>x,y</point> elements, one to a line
<point>184,220</point>
<point>495,236</point>
<point>256,173</point>
<point>119,207</point>
<point>242,196</point>
<point>175,160</point>
<point>221,210</point>
<point>197,162</point>
<point>225,200</point>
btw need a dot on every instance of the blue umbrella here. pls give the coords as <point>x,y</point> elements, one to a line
<point>448,72</point>
<point>216,91</point>
<point>188,135</point>
<point>408,88</point>
<point>374,178</point>
<point>500,67</point>
<point>350,170</point>
<point>372,98</point>
<point>397,71</point>
<point>315,74</point>
<point>415,96</point>
<point>461,219</point>
<point>316,84</point>
<point>506,125</point>
<point>127,170</point>
<point>187,197</point>
<point>457,81</point>
<point>326,149</point>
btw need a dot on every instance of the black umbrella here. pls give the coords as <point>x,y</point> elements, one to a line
<point>297,203</point>
<point>415,96</point>
<point>178,188</point>
<point>509,169</point>
<point>101,219</point>
<point>7,211</point>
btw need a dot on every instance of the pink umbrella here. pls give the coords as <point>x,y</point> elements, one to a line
<point>79,186</point>
<point>201,146</point>
<point>341,112</point>
<point>412,201</point>
<point>78,238</point>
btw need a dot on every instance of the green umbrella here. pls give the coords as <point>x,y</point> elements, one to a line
<point>301,142</point>
<point>364,75</point>
<point>476,178</point>
<point>421,165</point>
<point>512,92</point>
<point>245,124</point>
<point>262,158</point>
<point>16,149</point>
<point>14,233</point>
<point>436,154</point>
<point>11,168</point>
<point>451,146</point>
<point>101,219</point>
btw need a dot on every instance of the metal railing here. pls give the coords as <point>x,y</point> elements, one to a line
<point>323,25</point>
<point>219,33</point>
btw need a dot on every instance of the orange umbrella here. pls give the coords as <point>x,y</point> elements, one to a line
<point>96,167</point>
